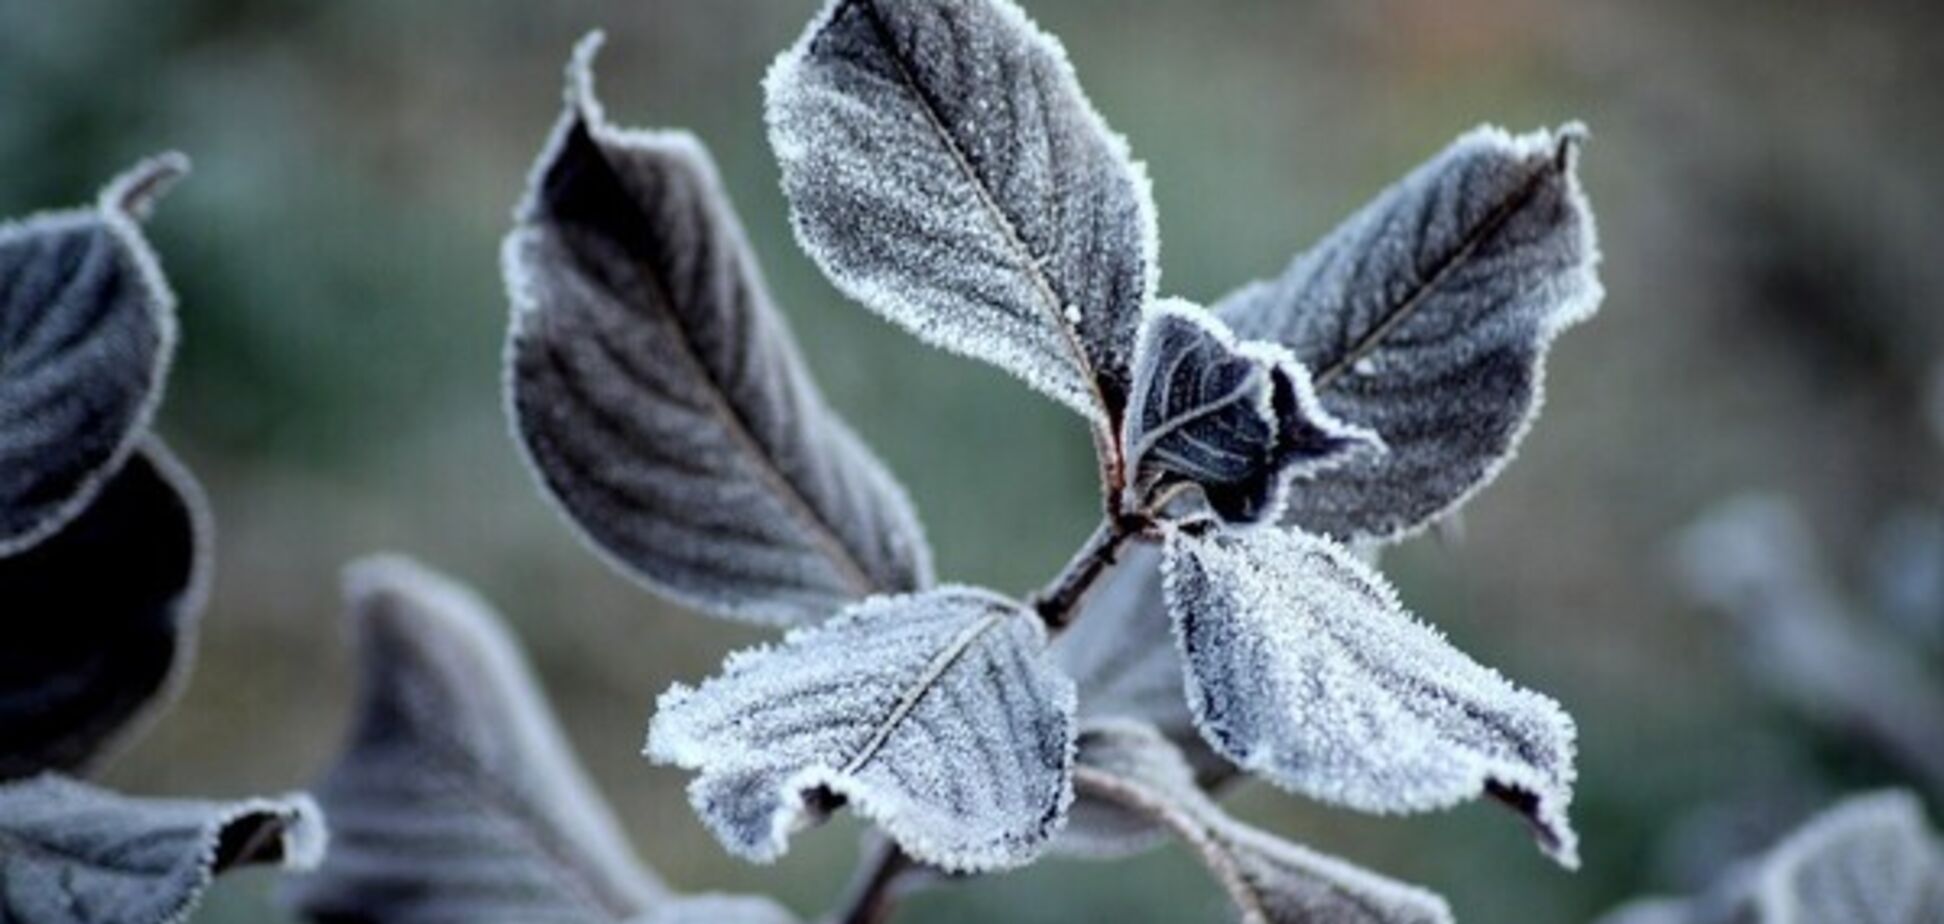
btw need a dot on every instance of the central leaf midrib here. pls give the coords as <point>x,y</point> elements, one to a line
<point>1444,267</point>
<point>927,680</point>
<point>1050,299</point>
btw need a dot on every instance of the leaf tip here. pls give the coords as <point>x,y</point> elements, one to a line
<point>135,191</point>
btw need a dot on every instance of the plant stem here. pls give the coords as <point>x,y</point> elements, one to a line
<point>870,900</point>
<point>1059,601</point>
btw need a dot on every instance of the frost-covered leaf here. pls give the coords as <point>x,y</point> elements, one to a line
<point>1870,860</point>
<point>87,327</point>
<point>660,397</point>
<point>1270,880</point>
<point>457,797</point>
<point>939,716</point>
<point>1753,559</point>
<point>74,854</point>
<point>1427,316</point>
<point>100,618</point>
<point>1305,669</point>
<point>945,169</point>
<point>1873,859</point>
<point>1239,420</point>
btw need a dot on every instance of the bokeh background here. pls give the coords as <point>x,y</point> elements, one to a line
<point>1769,180</point>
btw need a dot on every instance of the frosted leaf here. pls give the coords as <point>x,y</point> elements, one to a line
<point>1270,880</point>
<point>1121,655</point>
<point>457,798</point>
<point>1872,859</point>
<point>1427,316</point>
<point>939,716</point>
<point>1752,559</point>
<point>71,853</point>
<point>659,395</point>
<point>87,328</point>
<point>1304,669</point>
<point>1237,420</point>
<point>944,168</point>
<point>101,618</point>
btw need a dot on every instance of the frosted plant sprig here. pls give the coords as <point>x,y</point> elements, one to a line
<point>105,561</point>
<point>944,169</point>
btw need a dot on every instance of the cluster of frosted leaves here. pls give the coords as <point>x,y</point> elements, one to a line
<point>945,169</point>
<point>940,716</point>
<point>87,328</point>
<point>457,797</point>
<point>105,615</point>
<point>1871,859</point>
<point>1303,668</point>
<point>659,395</point>
<point>1236,420</point>
<point>1426,317</point>
<point>104,558</point>
<point>1134,768</point>
<point>71,853</point>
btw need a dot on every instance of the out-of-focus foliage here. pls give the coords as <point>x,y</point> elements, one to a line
<point>1769,179</point>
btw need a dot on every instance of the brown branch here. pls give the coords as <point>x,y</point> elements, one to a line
<point>1059,601</point>
<point>871,898</point>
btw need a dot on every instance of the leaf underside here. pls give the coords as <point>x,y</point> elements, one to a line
<point>1270,880</point>
<point>87,658</point>
<point>1303,668</point>
<point>457,797</point>
<point>659,395</point>
<point>944,168</point>
<point>1426,317</point>
<point>87,327</point>
<point>71,853</point>
<point>1238,421</point>
<point>937,715</point>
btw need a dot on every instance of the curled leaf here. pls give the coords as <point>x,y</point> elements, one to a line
<point>1426,317</point>
<point>1237,420</point>
<point>71,853</point>
<point>1303,668</point>
<point>945,169</point>
<point>659,395</point>
<point>87,328</point>
<point>89,658</point>
<point>457,797</point>
<point>937,715</point>
<point>1270,880</point>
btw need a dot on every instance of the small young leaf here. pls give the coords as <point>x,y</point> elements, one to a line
<point>938,715</point>
<point>1872,859</point>
<point>1239,421</point>
<point>1304,668</point>
<point>88,658</point>
<point>1270,880</point>
<point>87,327</point>
<point>945,169</point>
<point>74,854</point>
<point>458,798</point>
<point>659,395</point>
<point>1426,317</point>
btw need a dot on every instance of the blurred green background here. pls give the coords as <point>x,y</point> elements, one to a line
<point>1770,185</point>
